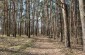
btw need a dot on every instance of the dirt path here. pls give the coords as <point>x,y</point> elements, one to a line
<point>34,46</point>
<point>44,46</point>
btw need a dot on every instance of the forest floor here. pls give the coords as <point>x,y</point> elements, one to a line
<point>34,46</point>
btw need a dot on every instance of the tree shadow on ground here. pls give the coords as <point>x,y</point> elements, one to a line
<point>18,52</point>
<point>77,47</point>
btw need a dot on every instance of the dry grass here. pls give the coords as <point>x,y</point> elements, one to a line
<point>12,45</point>
<point>34,46</point>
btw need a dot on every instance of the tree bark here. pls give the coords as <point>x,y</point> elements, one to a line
<point>66,24</point>
<point>82,15</point>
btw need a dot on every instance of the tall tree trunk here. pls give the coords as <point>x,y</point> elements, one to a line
<point>28,18</point>
<point>14,19</point>
<point>82,15</point>
<point>66,24</point>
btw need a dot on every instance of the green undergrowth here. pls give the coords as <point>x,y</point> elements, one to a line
<point>14,45</point>
<point>28,44</point>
